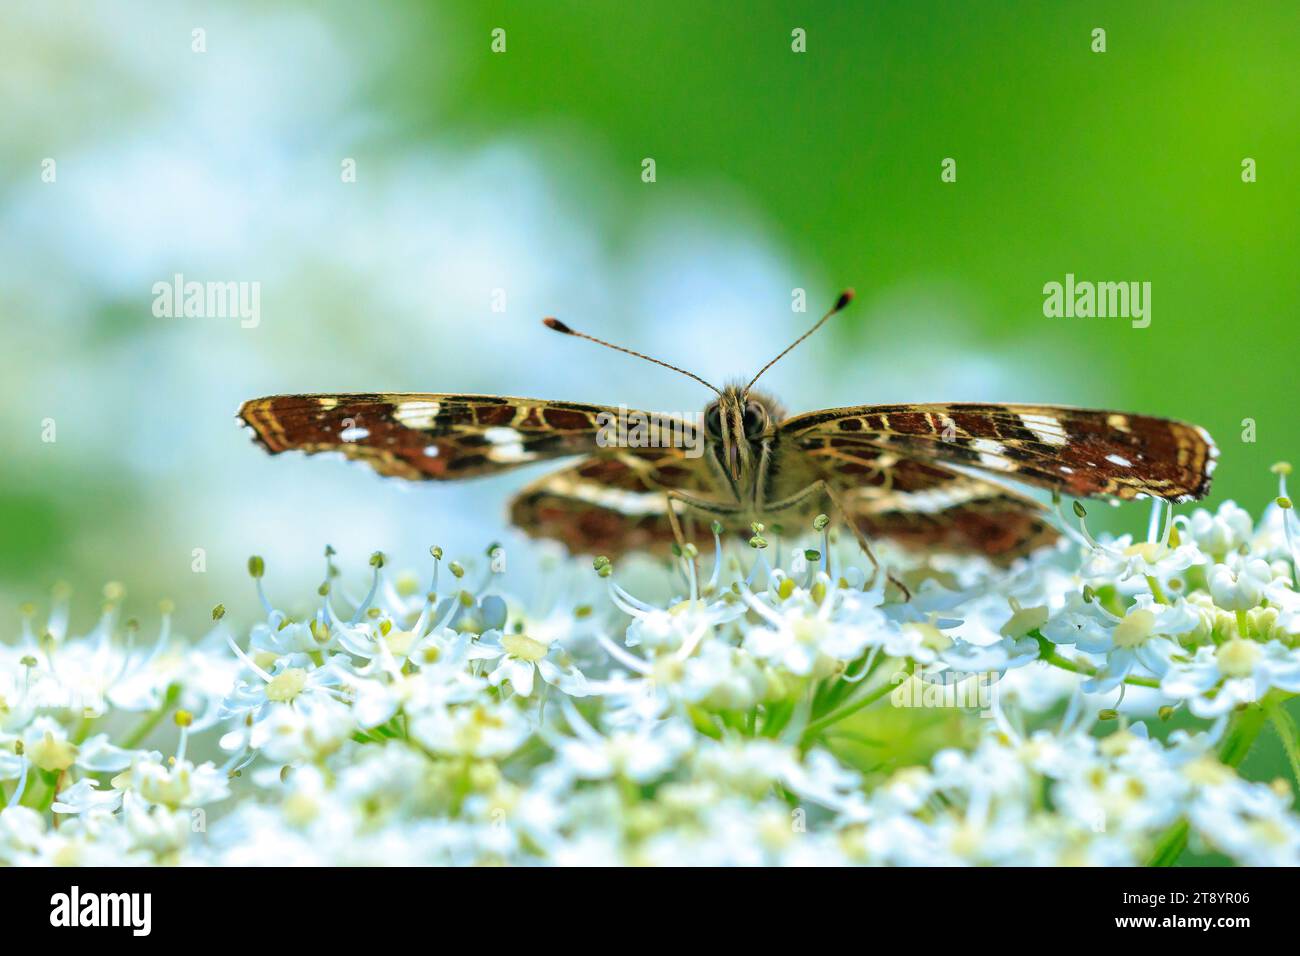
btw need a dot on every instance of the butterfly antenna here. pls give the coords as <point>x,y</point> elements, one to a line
<point>559,326</point>
<point>845,298</point>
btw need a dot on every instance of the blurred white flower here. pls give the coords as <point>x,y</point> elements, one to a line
<point>731,723</point>
<point>1240,586</point>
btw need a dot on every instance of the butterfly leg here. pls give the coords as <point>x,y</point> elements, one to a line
<point>821,487</point>
<point>708,507</point>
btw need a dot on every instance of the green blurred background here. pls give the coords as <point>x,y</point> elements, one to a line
<point>521,172</point>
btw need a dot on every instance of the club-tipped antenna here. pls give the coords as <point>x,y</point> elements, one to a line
<point>558,326</point>
<point>845,298</point>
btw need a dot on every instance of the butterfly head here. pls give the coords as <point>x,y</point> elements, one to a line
<point>736,426</point>
<point>740,419</point>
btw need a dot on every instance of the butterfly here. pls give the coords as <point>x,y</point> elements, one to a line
<point>928,476</point>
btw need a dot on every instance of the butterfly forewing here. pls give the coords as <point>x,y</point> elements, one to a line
<point>886,463</point>
<point>1078,452</point>
<point>422,436</point>
<point>612,501</point>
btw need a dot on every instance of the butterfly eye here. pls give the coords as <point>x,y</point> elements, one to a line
<point>755,420</point>
<point>713,421</point>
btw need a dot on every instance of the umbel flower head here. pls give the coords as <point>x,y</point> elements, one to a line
<point>775,708</point>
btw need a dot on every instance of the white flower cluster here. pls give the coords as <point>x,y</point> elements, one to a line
<point>794,714</point>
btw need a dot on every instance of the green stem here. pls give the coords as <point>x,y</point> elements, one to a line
<point>1246,726</point>
<point>817,726</point>
<point>1047,653</point>
<point>150,721</point>
<point>842,688</point>
<point>82,730</point>
<point>1157,591</point>
<point>1286,730</point>
<point>703,722</point>
<point>1170,845</point>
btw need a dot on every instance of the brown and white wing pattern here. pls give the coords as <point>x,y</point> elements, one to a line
<point>925,506</point>
<point>426,436</point>
<point>1079,452</point>
<point>612,505</point>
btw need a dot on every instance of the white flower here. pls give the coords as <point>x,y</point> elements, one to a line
<point>1248,821</point>
<point>22,835</point>
<point>1216,679</point>
<point>520,657</point>
<point>1144,635</point>
<point>1124,558</point>
<point>178,783</point>
<point>85,795</point>
<point>475,730</point>
<point>98,755</point>
<point>1219,533</point>
<point>1000,656</point>
<point>1241,585</point>
<point>46,745</point>
<point>808,638</point>
<point>310,730</point>
<point>157,829</point>
<point>743,724</point>
<point>721,677</point>
<point>295,677</point>
<point>640,755</point>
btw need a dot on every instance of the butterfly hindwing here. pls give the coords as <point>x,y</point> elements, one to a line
<point>611,505</point>
<point>924,505</point>
<point>1079,452</point>
<point>968,517</point>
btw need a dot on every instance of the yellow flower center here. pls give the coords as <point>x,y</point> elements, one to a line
<point>1237,657</point>
<point>51,754</point>
<point>299,809</point>
<point>1116,744</point>
<point>1134,630</point>
<point>1147,550</point>
<point>1208,771</point>
<point>286,686</point>
<point>931,636</point>
<point>1024,620</point>
<point>399,642</point>
<point>524,648</point>
<point>808,630</point>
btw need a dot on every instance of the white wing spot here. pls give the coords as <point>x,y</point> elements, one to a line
<point>616,499</point>
<point>930,501</point>
<point>355,433</point>
<point>507,444</point>
<point>417,414</point>
<point>1119,460</point>
<point>1046,429</point>
<point>991,455</point>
